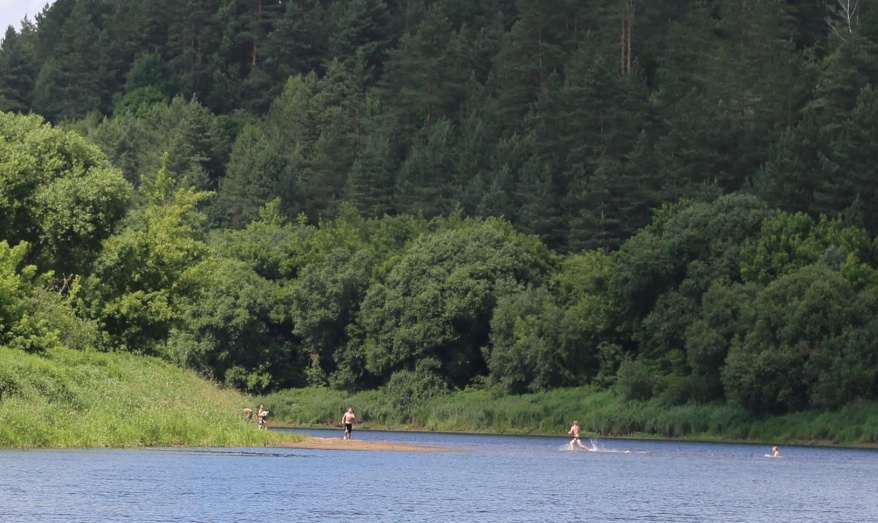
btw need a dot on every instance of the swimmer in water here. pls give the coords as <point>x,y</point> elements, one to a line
<point>575,429</point>
<point>775,453</point>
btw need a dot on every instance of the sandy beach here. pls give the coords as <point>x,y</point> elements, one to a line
<point>340,444</point>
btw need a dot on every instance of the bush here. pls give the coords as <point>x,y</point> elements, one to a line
<point>635,380</point>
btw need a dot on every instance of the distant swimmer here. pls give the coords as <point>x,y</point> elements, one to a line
<point>775,453</point>
<point>575,429</point>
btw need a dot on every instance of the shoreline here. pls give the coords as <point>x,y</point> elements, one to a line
<point>816,443</point>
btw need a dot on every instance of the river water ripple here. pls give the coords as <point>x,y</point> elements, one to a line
<point>496,479</point>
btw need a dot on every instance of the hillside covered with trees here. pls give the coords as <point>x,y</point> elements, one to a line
<point>671,200</point>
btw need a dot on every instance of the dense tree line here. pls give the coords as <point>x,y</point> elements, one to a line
<point>545,113</point>
<point>674,199</point>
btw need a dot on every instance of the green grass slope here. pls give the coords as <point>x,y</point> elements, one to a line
<point>68,398</point>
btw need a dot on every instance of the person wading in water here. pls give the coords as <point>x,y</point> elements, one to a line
<point>575,431</point>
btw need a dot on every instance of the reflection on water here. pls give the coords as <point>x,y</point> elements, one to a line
<point>500,478</point>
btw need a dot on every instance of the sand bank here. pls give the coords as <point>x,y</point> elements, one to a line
<point>354,444</point>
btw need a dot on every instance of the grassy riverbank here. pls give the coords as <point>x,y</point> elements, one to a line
<point>69,398</point>
<point>601,413</point>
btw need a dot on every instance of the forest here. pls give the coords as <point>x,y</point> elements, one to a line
<point>674,201</point>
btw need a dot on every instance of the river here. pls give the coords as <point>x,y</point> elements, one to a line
<point>493,478</point>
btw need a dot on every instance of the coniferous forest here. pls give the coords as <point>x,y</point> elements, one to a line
<point>672,200</point>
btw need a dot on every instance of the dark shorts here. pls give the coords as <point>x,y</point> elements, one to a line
<point>348,427</point>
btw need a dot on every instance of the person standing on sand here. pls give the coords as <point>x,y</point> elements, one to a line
<point>575,431</point>
<point>348,421</point>
<point>261,416</point>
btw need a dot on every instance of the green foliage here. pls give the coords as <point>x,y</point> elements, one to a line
<point>370,184</point>
<point>271,246</point>
<point>532,50</point>
<point>434,120</point>
<point>360,27</point>
<point>137,281</point>
<point>257,173</point>
<point>820,166</point>
<point>21,324</point>
<point>635,381</point>
<point>424,72</point>
<point>139,101</point>
<point>543,339</point>
<point>325,301</point>
<point>407,390</point>
<point>228,327</point>
<point>790,241</point>
<point>436,301</point>
<point>70,399</point>
<point>846,370</point>
<point>70,86</point>
<point>18,71</point>
<point>724,318</point>
<point>794,323</point>
<point>57,192</point>
<point>526,350</point>
<point>424,182</point>
<point>195,140</point>
<point>725,93</point>
<point>149,78</point>
<point>685,248</point>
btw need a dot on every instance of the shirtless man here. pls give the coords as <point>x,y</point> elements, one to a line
<point>348,421</point>
<point>775,453</point>
<point>575,429</point>
<point>262,416</point>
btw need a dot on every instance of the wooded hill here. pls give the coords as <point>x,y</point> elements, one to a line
<point>675,199</point>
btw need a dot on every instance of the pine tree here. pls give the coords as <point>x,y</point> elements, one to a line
<point>361,27</point>
<point>295,45</point>
<point>423,75</point>
<point>192,39</point>
<point>370,184</point>
<point>531,52</point>
<point>423,186</point>
<point>17,73</point>
<point>609,206</point>
<point>257,173</point>
<point>820,166</point>
<point>728,88</point>
<point>68,84</point>
<point>538,209</point>
<point>474,156</point>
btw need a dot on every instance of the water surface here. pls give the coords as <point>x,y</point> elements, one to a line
<point>494,478</point>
